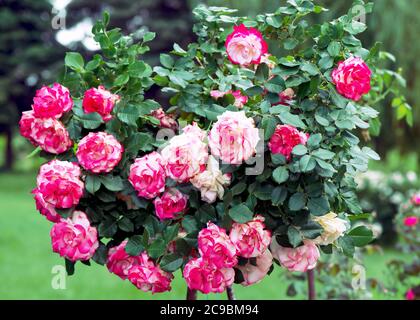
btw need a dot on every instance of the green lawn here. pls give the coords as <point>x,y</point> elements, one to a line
<point>26,259</point>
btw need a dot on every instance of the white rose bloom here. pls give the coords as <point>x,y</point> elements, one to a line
<point>333,226</point>
<point>211,182</point>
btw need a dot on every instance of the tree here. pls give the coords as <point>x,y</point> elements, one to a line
<point>27,54</point>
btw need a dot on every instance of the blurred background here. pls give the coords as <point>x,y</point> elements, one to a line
<point>35,34</point>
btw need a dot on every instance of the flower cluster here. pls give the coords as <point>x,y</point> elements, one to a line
<point>214,270</point>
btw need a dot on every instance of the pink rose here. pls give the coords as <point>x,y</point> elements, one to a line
<point>52,102</point>
<point>99,152</point>
<point>233,137</point>
<point>284,139</point>
<point>245,46</point>
<point>45,208</point>
<point>250,239</point>
<point>147,276</point>
<point>410,295</point>
<point>286,97</point>
<point>166,120</point>
<point>101,101</point>
<point>171,203</point>
<point>255,273</point>
<point>352,78</point>
<point>186,154</point>
<point>74,238</point>
<point>49,133</point>
<point>216,248</point>
<point>415,199</point>
<point>411,221</point>
<point>300,259</point>
<point>147,175</point>
<point>240,100</point>
<point>119,261</point>
<point>206,278</point>
<point>59,184</point>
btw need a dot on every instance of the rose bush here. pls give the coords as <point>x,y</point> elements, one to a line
<point>262,165</point>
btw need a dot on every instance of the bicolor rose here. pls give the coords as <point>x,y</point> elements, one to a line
<point>74,238</point>
<point>186,154</point>
<point>286,97</point>
<point>170,204</point>
<point>254,273</point>
<point>165,120</point>
<point>215,247</point>
<point>52,102</point>
<point>211,182</point>
<point>245,46</point>
<point>49,133</point>
<point>59,184</point>
<point>101,101</point>
<point>284,139</point>
<point>415,199</point>
<point>250,239</point>
<point>44,207</point>
<point>333,226</point>
<point>99,152</point>
<point>411,221</point>
<point>147,175</point>
<point>352,78</point>
<point>233,137</point>
<point>147,276</point>
<point>300,259</point>
<point>120,262</point>
<point>206,278</point>
<point>240,100</point>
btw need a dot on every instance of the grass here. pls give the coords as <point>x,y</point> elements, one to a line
<point>26,259</point>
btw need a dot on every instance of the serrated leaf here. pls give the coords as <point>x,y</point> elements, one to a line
<point>241,213</point>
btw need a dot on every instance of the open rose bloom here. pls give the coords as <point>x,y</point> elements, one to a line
<point>170,204</point>
<point>74,238</point>
<point>99,152</point>
<point>52,102</point>
<point>352,78</point>
<point>120,262</point>
<point>299,259</point>
<point>101,101</point>
<point>233,138</point>
<point>245,46</point>
<point>59,184</point>
<point>255,273</point>
<point>284,139</point>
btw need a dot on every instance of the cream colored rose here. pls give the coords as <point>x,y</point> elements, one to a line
<point>211,182</point>
<point>333,226</point>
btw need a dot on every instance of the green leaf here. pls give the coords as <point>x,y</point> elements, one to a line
<point>262,72</point>
<point>323,154</point>
<point>69,267</point>
<point>361,236</point>
<point>275,85</point>
<point>126,225</point>
<point>268,124</point>
<point>318,206</point>
<point>294,236</point>
<point>171,262</point>
<point>280,175</point>
<point>121,79</point>
<point>91,120</point>
<point>92,183</point>
<point>74,61</point>
<point>241,213</point>
<point>370,153</point>
<point>139,69</point>
<point>167,61</point>
<point>149,36</point>
<point>134,245</point>
<point>112,183</point>
<point>310,68</point>
<point>291,119</point>
<point>299,150</point>
<point>278,195</point>
<point>290,43</point>
<point>307,163</point>
<point>254,91</point>
<point>189,223</point>
<point>334,48</point>
<point>297,201</point>
<point>346,244</point>
<point>101,254</point>
<point>157,248</point>
<point>311,230</point>
<point>129,114</point>
<point>314,140</point>
<point>171,232</point>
